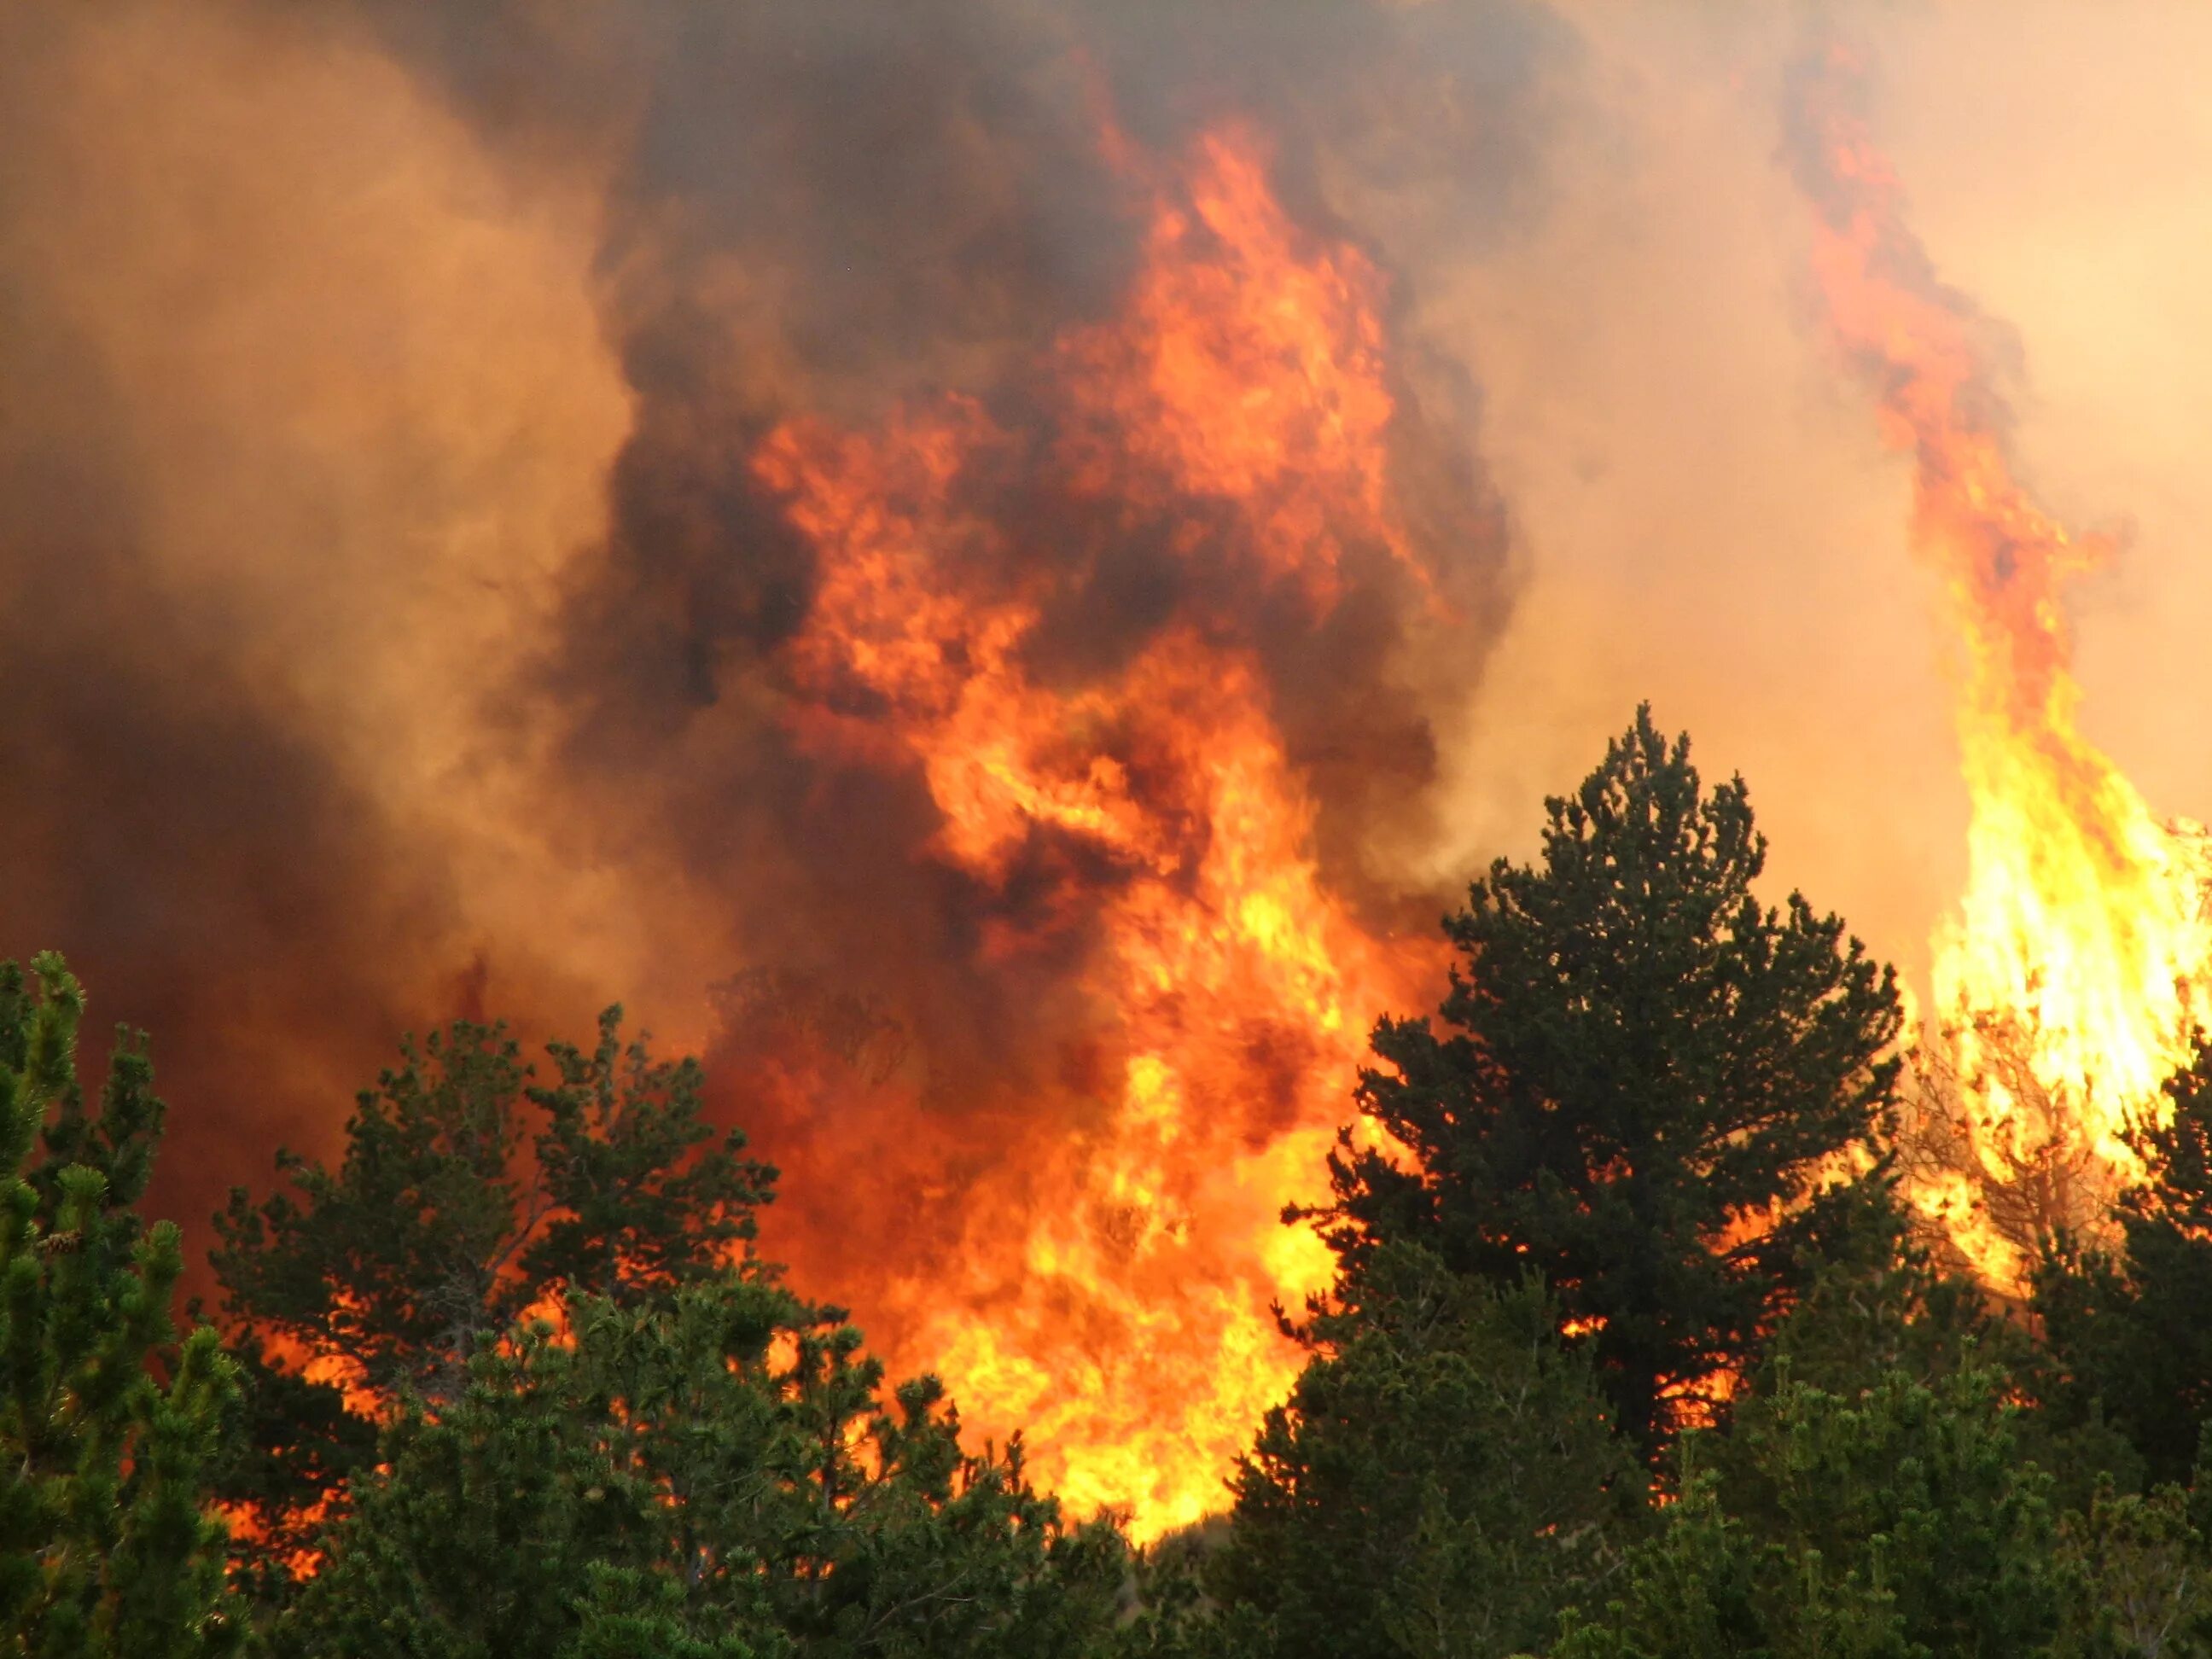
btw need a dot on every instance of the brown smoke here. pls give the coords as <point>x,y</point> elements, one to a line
<point>306,403</point>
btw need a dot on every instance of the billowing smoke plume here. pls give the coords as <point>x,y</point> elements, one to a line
<point>404,621</point>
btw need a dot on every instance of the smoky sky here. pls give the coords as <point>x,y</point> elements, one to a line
<point>815,207</point>
<point>167,826</point>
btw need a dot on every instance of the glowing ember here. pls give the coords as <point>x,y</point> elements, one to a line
<point>2066,986</point>
<point>1113,1292</point>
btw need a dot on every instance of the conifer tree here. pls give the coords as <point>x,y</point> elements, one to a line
<point>1901,1523</point>
<point>469,1192</point>
<point>1864,1320</point>
<point>710,1476</point>
<point>2137,1575</point>
<point>1444,1479</point>
<point>108,1424</point>
<point>1651,1090</point>
<point>2129,1331</point>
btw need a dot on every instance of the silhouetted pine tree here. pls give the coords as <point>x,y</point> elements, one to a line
<point>1658,1094</point>
<point>107,1424</point>
<point>2129,1333</point>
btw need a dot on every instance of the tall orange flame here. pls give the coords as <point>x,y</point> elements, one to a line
<point>1112,1293</point>
<point>2068,985</point>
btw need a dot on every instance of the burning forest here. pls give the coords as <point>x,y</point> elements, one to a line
<point>2069,985</point>
<point>989,573</point>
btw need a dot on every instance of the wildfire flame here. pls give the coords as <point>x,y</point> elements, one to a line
<point>1113,1294</point>
<point>2068,984</point>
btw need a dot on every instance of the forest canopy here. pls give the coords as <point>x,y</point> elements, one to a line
<point>1631,1348</point>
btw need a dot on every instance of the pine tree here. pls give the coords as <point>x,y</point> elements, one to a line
<point>1891,1311</point>
<point>108,1424</point>
<point>711,1475</point>
<point>2129,1331</point>
<point>2137,1575</point>
<point>1900,1523</point>
<point>1444,1479</point>
<point>1659,1095</point>
<point>469,1193</point>
<point>1894,1312</point>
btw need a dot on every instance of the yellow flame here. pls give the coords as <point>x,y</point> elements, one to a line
<point>2068,984</point>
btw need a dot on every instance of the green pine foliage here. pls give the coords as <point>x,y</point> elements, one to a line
<point>1444,1478</point>
<point>695,1463</point>
<point>2129,1332</point>
<point>714,1475</point>
<point>469,1192</point>
<point>1636,1057</point>
<point>107,1423</point>
<point>1891,1311</point>
<point>2138,1576</point>
<point>1900,1523</point>
<point>1897,1314</point>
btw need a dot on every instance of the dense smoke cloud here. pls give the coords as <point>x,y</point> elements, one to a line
<point>823,210</point>
<point>251,468</point>
<point>395,613</point>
